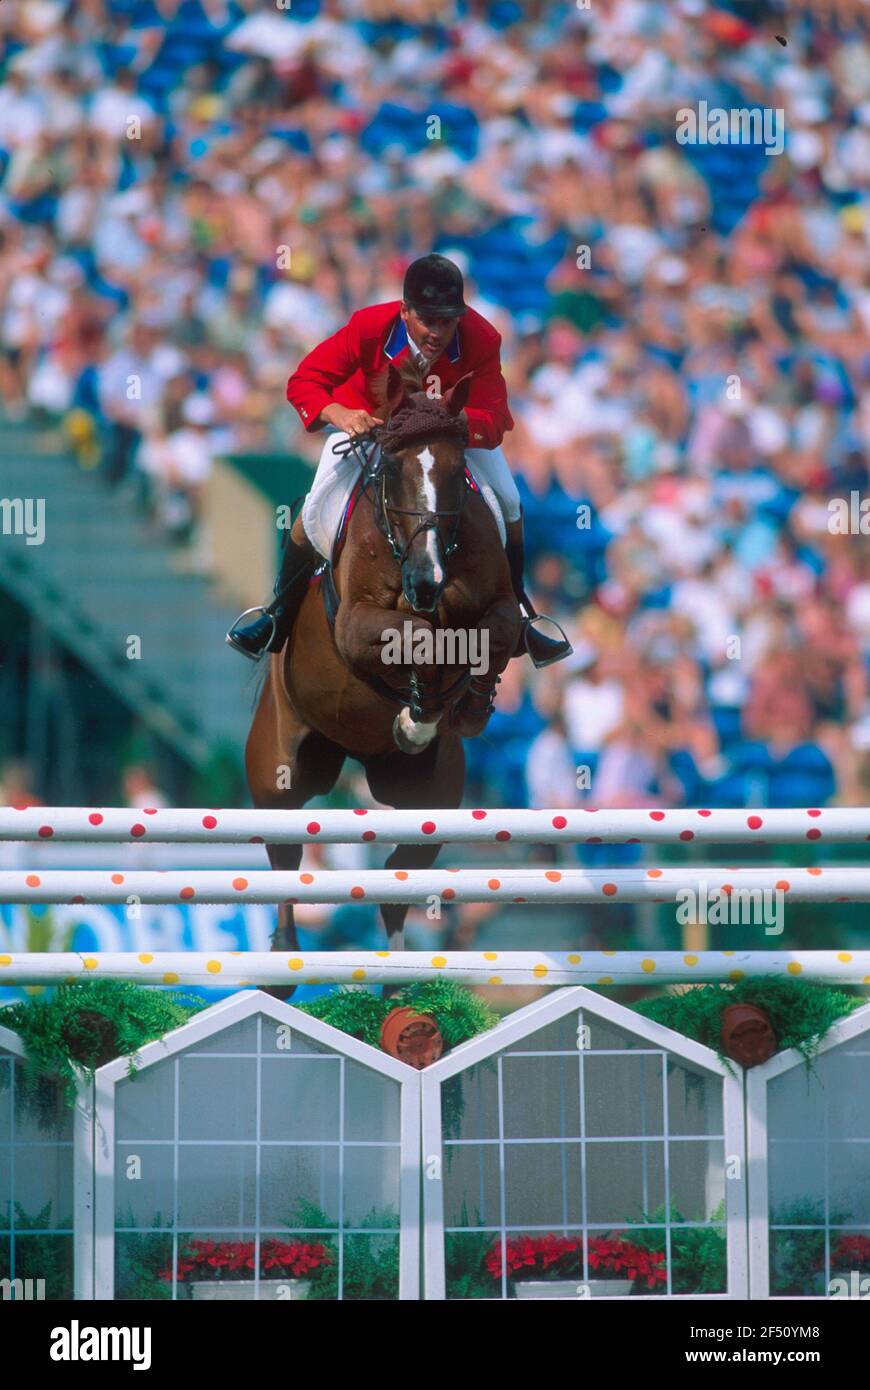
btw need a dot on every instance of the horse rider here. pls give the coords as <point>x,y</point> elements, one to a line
<point>447,340</point>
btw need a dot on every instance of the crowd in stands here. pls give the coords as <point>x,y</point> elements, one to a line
<point>195,192</point>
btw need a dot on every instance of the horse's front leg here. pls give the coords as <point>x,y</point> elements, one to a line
<point>498,632</point>
<point>375,641</point>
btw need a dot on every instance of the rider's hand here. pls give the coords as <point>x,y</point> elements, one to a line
<point>351,421</point>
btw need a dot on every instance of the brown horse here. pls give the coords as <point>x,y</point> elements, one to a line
<point>421,556</point>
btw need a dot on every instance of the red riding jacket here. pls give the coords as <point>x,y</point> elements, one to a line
<point>343,367</point>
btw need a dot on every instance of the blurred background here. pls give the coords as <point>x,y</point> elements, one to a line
<point>193,193</point>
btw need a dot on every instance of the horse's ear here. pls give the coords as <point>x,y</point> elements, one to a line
<point>388,392</point>
<point>456,397</point>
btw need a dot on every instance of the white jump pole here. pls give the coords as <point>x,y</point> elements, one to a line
<point>265,968</point>
<point>505,885</point>
<point>161,826</point>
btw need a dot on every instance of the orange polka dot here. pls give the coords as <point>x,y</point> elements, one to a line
<point>493,883</point>
<point>401,874</point>
<point>653,873</point>
<point>240,884</point>
<point>187,893</point>
<point>553,876</point>
<point>117,878</point>
<point>33,880</point>
<point>783,885</point>
<point>608,889</point>
<point>814,872</point>
<point>357,892</point>
<point>306,878</point>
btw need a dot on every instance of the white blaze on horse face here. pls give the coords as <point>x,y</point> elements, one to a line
<point>429,501</point>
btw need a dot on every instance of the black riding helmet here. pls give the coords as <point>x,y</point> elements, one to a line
<point>434,287</point>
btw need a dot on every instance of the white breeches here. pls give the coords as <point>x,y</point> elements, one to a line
<point>336,476</point>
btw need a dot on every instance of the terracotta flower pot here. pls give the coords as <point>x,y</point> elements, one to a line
<point>413,1038</point>
<point>747,1034</point>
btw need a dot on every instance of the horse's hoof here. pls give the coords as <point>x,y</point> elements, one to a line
<point>410,737</point>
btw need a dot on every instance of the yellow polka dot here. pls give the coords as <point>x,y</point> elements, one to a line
<point>866,980</point>
<point>574,959</point>
<point>439,961</point>
<point>494,980</point>
<point>610,953</point>
<point>359,974</point>
<point>690,960</point>
<point>729,953</point>
<point>794,967</point>
<point>844,956</point>
<point>382,953</point>
<point>145,958</point>
<point>294,963</point>
<point>540,971</point>
<point>170,978</point>
<point>90,963</point>
<point>736,974</point>
<point>606,980</point>
<point>214,967</point>
<point>490,955</point>
<point>647,966</point>
<point>5,960</point>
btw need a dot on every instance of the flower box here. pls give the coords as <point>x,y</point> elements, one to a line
<point>270,1290</point>
<point>572,1288</point>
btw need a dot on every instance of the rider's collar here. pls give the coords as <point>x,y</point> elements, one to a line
<point>398,340</point>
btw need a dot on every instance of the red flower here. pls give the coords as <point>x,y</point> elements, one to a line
<point>206,1259</point>
<point>563,1256</point>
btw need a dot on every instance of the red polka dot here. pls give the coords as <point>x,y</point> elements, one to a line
<point>448,894</point>
<point>240,884</point>
<point>368,835</point>
<point>705,813</point>
<point>479,815</point>
<point>754,822</point>
<point>428,827</point>
<point>519,900</point>
<point>77,899</point>
<point>609,889</point>
<point>783,885</point>
<point>591,810</point>
<point>814,834</point>
<point>117,878</point>
<point>256,840</point>
<point>149,810</point>
<point>814,812</point>
<point>503,835</point>
<point>209,822</point>
<point>360,812</point>
<point>313,827</point>
<point>593,839</point>
<point>33,880</point>
<point>137,830</point>
<point>187,893</point>
<point>728,888</point>
<point>493,883</point>
<point>559,822</point>
<point>451,871</point>
<point>45,832</point>
<point>815,872</point>
<point>21,808</point>
<point>633,841</point>
<point>656,815</point>
<point>357,892</point>
<point>95,818</point>
<point>653,873</point>
<point>687,834</point>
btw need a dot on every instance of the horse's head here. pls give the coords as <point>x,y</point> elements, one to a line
<point>422,486</point>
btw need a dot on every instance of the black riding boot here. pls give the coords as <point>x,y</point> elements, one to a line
<point>543,650</point>
<point>269,631</point>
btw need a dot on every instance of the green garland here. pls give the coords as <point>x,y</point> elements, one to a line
<point>77,1028</point>
<point>801,1012</point>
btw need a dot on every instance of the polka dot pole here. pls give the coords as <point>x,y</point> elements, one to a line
<point>504,885</point>
<point>237,969</point>
<point>587,826</point>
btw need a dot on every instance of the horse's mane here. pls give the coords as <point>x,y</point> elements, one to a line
<point>418,415</point>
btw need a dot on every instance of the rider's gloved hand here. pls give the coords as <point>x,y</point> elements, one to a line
<point>351,421</point>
